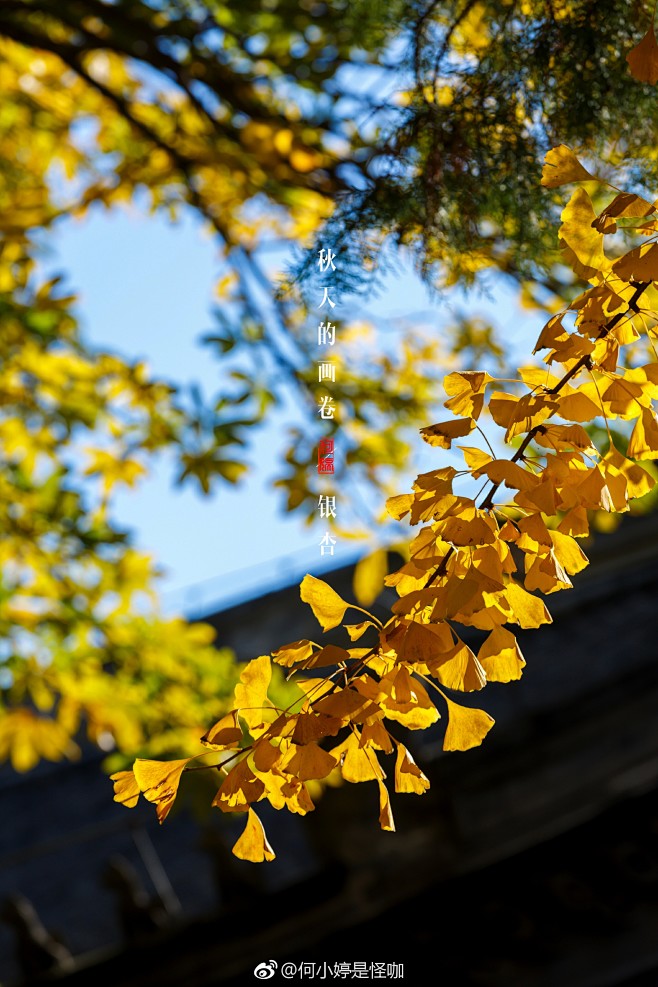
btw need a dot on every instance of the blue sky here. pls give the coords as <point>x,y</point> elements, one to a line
<point>145,289</point>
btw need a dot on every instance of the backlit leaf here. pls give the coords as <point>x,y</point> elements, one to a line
<point>500,657</point>
<point>251,692</point>
<point>475,458</point>
<point>357,763</point>
<point>511,474</point>
<point>467,727</point>
<point>467,392</point>
<point>623,205</point>
<point>462,672</point>
<point>408,776</point>
<point>385,813</point>
<point>225,734</point>
<point>639,264</point>
<point>310,761</point>
<point>158,782</point>
<point>443,433</point>
<point>357,631</point>
<point>569,552</point>
<point>253,844</point>
<point>369,575</point>
<point>291,654</point>
<point>400,505</point>
<point>582,246</point>
<point>126,789</point>
<point>643,443</point>
<point>562,166</point>
<point>329,608</point>
<point>528,610</point>
<point>239,789</point>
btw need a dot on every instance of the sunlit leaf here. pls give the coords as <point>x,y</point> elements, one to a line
<point>582,245</point>
<point>291,654</point>
<point>253,844</point>
<point>467,727</point>
<point>310,761</point>
<point>357,763</point>
<point>385,812</point>
<point>443,433</point>
<point>408,776</point>
<point>562,166</point>
<point>466,390</point>
<point>369,574</point>
<point>225,734</point>
<point>126,789</point>
<point>251,692</point>
<point>500,657</point>
<point>329,608</point>
<point>158,782</point>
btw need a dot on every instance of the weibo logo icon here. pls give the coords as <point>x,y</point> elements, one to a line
<point>264,971</point>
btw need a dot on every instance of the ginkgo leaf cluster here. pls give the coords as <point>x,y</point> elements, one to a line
<point>479,566</point>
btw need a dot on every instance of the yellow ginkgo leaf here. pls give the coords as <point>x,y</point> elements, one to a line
<point>342,704</point>
<point>251,692</point>
<point>643,443</point>
<point>638,481</point>
<point>314,688</point>
<point>530,410</point>
<point>408,776</point>
<point>253,844</point>
<point>581,244</point>
<point>400,505</point>
<point>357,763</point>
<point>575,523</point>
<point>528,610</point>
<point>426,642</point>
<point>578,407</point>
<point>328,607</point>
<point>311,762</point>
<point>126,789</point>
<point>376,736</point>
<point>239,789</point>
<point>639,264</point>
<point>289,654</point>
<point>593,491</point>
<point>331,654</point>
<point>562,166</point>
<point>357,631</point>
<point>568,552</point>
<point>467,531</point>
<point>474,457</point>
<point>501,657</point>
<point>560,437</point>
<point>552,334</point>
<point>509,473</point>
<point>643,59</point>
<point>158,782</point>
<point>546,574</point>
<point>443,433</point>
<point>466,390</point>
<point>386,820</point>
<point>462,672</point>
<point>369,575</point>
<point>624,205</point>
<point>225,734</point>
<point>311,727</point>
<point>265,755</point>
<point>467,727</point>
